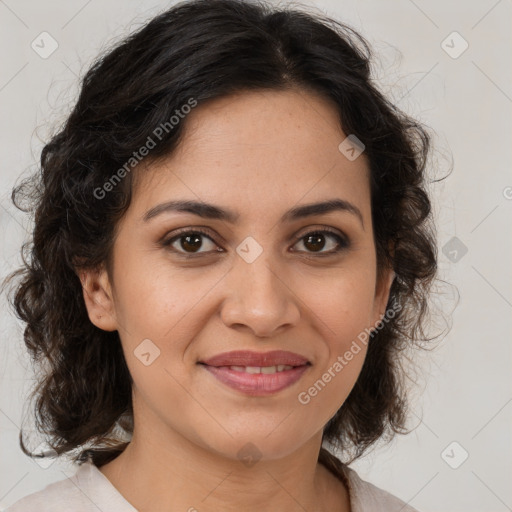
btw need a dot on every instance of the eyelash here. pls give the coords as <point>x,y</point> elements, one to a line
<point>342,241</point>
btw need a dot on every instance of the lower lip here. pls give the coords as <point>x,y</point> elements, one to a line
<point>257,384</point>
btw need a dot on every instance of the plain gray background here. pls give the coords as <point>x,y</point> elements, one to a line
<point>464,394</point>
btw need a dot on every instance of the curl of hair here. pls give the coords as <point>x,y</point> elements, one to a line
<point>207,49</point>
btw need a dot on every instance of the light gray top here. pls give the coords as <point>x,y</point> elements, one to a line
<point>89,490</point>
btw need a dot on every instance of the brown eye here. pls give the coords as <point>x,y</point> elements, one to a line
<point>317,241</point>
<point>314,242</point>
<point>190,242</point>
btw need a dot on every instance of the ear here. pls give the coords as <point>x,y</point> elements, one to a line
<point>97,292</point>
<point>382,288</point>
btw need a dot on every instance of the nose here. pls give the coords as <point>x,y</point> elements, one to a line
<point>258,299</point>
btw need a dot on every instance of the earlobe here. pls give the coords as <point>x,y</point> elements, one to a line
<point>97,293</point>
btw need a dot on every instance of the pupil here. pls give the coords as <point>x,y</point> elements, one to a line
<point>315,239</point>
<point>192,242</point>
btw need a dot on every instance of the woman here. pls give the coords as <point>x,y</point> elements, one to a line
<point>232,249</point>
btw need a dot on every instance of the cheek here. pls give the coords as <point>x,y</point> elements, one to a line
<point>341,305</point>
<point>154,300</point>
<point>340,361</point>
<point>342,314</point>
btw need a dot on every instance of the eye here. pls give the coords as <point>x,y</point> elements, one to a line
<point>191,242</point>
<point>316,241</point>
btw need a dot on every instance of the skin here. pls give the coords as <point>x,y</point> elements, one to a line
<point>258,154</point>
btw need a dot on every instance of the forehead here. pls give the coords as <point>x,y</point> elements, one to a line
<point>256,148</point>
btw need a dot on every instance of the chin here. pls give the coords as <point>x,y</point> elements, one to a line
<point>253,446</point>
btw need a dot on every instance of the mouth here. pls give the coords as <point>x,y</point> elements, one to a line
<point>257,374</point>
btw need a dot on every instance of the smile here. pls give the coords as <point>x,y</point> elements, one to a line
<point>261,369</point>
<point>255,373</point>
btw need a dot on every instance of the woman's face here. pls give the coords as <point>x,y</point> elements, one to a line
<point>268,272</point>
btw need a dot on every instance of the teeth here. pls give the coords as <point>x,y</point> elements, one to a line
<point>261,369</point>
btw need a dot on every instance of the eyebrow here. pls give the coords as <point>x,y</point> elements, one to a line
<point>210,211</point>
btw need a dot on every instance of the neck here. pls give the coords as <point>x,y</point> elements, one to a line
<point>157,473</point>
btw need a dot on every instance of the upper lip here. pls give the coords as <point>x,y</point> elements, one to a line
<point>249,358</point>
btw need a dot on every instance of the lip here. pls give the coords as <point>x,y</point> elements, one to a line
<point>250,358</point>
<point>257,384</point>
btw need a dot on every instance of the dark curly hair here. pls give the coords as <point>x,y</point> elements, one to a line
<point>206,49</point>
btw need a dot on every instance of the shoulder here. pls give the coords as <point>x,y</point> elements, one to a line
<point>366,497</point>
<point>55,497</point>
<point>86,491</point>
